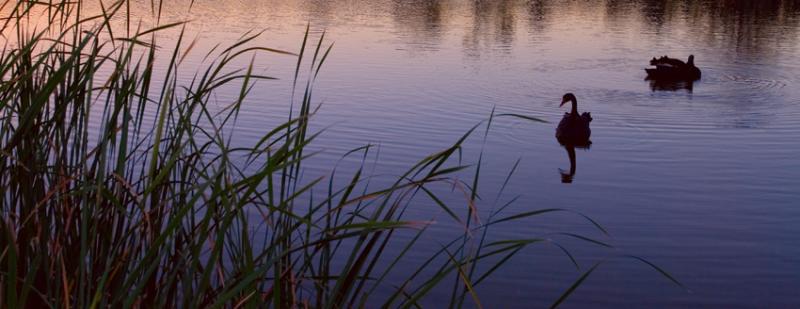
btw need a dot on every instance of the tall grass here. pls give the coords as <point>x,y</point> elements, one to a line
<point>120,188</point>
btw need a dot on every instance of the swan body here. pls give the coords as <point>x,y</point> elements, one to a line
<point>665,60</point>
<point>574,128</point>
<point>667,68</point>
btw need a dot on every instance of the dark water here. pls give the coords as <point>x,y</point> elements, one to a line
<point>704,182</point>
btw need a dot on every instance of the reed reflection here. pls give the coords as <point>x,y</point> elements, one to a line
<point>749,27</point>
<point>538,13</point>
<point>421,21</point>
<point>492,28</point>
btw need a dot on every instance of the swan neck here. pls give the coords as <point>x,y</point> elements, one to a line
<point>574,111</point>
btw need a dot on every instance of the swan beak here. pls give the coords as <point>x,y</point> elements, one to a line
<point>562,103</point>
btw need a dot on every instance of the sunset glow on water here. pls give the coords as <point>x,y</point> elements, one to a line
<point>703,181</point>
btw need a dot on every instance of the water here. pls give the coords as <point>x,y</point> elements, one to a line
<point>703,182</point>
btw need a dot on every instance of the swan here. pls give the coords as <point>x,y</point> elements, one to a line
<point>667,68</point>
<point>573,128</point>
<point>665,60</point>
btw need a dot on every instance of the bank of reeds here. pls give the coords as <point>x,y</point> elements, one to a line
<point>119,188</point>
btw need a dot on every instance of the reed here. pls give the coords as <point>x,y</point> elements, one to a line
<point>110,207</point>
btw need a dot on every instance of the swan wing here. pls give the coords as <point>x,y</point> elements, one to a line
<point>587,117</point>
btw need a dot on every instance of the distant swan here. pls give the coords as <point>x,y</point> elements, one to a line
<point>573,128</point>
<point>667,68</point>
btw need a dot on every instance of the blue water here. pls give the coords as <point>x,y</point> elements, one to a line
<point>704,182</point>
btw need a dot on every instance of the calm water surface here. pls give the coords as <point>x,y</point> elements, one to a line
<point>704,182</point>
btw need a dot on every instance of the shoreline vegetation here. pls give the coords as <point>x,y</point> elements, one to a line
<point>146,203</point>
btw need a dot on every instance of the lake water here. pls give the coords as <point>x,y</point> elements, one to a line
<point>704,182</point>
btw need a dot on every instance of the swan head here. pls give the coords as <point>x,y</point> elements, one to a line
<point>568,97</point>
<point>691,60</point>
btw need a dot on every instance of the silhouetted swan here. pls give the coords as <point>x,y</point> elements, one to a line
<point>573,128</point>
<point>667,68</point>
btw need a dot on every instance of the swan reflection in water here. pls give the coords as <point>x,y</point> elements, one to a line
<point>567,176</point>
<point>670,85</point>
